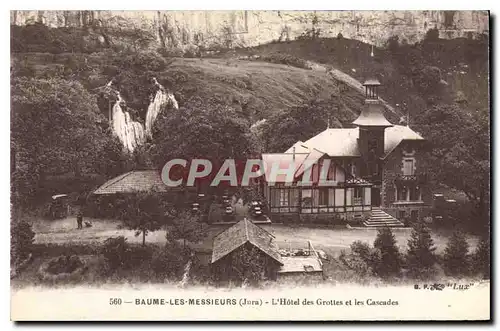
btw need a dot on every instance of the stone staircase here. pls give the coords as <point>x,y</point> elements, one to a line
<point>380,218</point>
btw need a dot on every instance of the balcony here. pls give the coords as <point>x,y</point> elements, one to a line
<point>417,178</point>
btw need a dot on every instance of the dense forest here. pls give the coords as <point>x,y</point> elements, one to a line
<point>62,142</point>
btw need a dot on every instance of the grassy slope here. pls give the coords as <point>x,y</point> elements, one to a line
<point>256,88</point>
<point>463,64</point>
<point>259,87</point>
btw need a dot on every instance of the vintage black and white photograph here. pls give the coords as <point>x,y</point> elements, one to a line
<point>250,165</point>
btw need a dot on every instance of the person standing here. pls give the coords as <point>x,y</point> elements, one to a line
<point>79,219</point>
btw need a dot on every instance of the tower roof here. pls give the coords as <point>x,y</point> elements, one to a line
<point>371,82</point>
<point>372,115</point>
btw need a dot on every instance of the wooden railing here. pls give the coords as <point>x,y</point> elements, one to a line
<point>420,178</point>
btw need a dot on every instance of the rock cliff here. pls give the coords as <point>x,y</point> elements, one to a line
<point>251,28</point>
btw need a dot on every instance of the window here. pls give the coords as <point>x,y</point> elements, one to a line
<point>284,197</point>
<point>358,196</point>
<point>353,170</point>
<point>402,193</point>
<point>323,196</point>
<point>414,215</point>
<point>408,167</point>
<point>402,214</point>
<point>415,193</point>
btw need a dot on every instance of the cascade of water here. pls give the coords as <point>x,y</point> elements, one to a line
<point>161,98</point>
<point>130,133</point>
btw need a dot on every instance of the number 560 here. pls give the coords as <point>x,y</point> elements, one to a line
<point>115,301</point>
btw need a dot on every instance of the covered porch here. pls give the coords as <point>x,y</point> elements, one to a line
<point>351,196</point>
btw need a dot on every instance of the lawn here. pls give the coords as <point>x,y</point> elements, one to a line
<point>328,239</point>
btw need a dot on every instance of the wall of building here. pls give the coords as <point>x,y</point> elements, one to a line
<point>251,28</point>
<point>393,167</point>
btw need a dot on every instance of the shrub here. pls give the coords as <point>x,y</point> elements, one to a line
<point>361,249</point>
<point>456,259</point>
<point>389,263</point>
<point>62,268</point>
<point>291,60</point>
<point>117,252</point>
<point>482,258</point>
<point>432,35</point>
<point>355,262</point>
<point>169,261</point>
<point>420,256</point>
<point>393,44</point>
<point>64,264</point>
<point>21,241</point>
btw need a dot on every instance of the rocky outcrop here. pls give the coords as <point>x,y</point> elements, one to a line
<point>251,28</point>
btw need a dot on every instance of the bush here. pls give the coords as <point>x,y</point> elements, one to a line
<point>456,259</point>
<point>21,241</point>
<point>389,263</point>
<point>393,44</point>
<point>64,264</point>
<point>356,263</point>
<point>432,35</point>
<point>482,258</point>
<point>291,60</point>
<point>117,252</point>
<point>420,258</point>
<point>62,268</point>
<point>169,261</point>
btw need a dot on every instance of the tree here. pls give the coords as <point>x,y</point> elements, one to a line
<point>116,252</point>
<point>143,212</point>
<point>207,131</point>
<point>169,261</point>
<point>389,263</point>
<point>283,129</point>
<point>456,259</point>
<point>460,155</point>
<point>247,264</point>
<point>21,241</point>
<point>186,227</point>
<point>482,258</point>
<point>420,256</point>
<point>55,129</point>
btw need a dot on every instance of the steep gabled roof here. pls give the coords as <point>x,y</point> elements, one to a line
<point>395,135</point>
<point>133,181</point>
<point>241,233</point>
<point>283,161</point>
<point>336,142</point>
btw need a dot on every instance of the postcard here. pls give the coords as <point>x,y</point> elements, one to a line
<point>250,165</point>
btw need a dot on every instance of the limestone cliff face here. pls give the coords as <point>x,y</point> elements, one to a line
<point>251,28</point>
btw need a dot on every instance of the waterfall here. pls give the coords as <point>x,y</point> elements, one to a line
<point>160,99</point>
<point>130,133</point>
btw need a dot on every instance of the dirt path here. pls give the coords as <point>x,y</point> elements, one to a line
<point>349,80</point>
<point>332,240</point>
